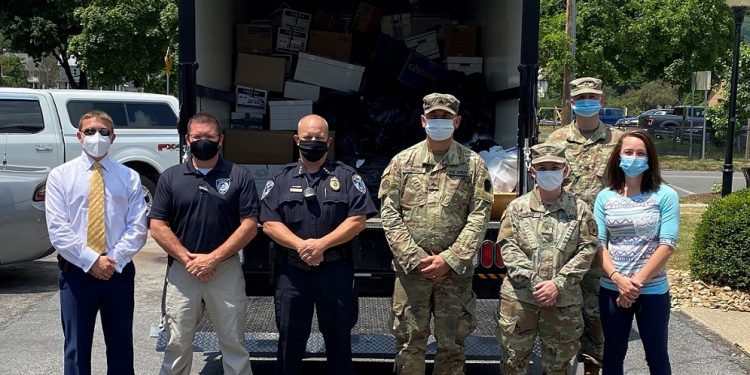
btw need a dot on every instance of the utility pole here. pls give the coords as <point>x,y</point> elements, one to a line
<point>569,71</point>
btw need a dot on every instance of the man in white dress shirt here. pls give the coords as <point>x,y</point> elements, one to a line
<point>96,218</point>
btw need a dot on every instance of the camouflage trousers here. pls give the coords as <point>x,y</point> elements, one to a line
<point>450,303</point>
<point>592,339</point>
<point>558,328</point>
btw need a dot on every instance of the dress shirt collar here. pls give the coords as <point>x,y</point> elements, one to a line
<point>88,161</point>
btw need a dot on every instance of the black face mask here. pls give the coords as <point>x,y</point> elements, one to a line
<point>313,151</point>
<point>204,149</point>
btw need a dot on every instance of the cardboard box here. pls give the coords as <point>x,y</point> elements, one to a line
<point>461,40</point>
<point>326,22</point>
<point>290,18</point>
<point>261,173</point>
<point>258,146</point>
<point>291,40</point>
<point>299,90</point>
<point>289,59</point>
<point>467,65</point>
<point>329,44</point>
<point>328,73</point>
<point>500,203</point>
<point>262,72</point>
<point>419,71</point>
<point>285,114</point>
<point>424,44</point>
<point>250,98</point>
<point>254,38</point>
<point>396,25</point>
<point>367,18</point>
<point>246,120</point>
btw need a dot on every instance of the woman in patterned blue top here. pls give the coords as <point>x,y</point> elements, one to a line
<point>637,218</point>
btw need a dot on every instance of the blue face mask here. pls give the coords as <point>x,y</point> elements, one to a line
<point>586,107</point>
<point>439,129</point>
<point>633,165</point>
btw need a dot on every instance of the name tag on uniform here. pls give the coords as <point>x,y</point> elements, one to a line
<point>295,189</point>
<point>458,173</point>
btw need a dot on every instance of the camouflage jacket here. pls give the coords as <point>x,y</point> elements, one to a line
<point>431,207</point>
<point>587,158</point>
<point>541,243</point>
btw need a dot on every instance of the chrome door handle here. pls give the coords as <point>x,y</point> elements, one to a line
<point>43,148</point>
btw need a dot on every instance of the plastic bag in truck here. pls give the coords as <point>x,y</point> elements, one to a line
<point>503,167</point>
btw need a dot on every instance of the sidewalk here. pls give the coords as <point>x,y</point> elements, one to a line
<point>733,326</point>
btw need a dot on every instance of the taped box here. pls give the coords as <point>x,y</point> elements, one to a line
<point>291,40</point>
<point>328,73</point>
<point>254,38</point>
<point>258,71</point>
<point>250,98</point>
<point>299,90</point>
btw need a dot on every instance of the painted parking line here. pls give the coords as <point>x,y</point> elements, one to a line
<point>681,189</point>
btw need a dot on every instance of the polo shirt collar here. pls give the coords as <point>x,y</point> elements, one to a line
<point>221,166</point>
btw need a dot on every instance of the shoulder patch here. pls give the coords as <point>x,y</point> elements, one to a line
<point>488,185</point>
<point>359,183</point>
<point>267,189</point>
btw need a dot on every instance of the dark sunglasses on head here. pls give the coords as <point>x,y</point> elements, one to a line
<point>91,131</point>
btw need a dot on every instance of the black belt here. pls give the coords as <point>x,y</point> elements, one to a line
<point>331,255</point>
<point>63,264</point>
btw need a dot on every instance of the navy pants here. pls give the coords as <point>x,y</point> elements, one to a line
<point>651,312</point>
<point>82,296</point>
<point>329,288</point>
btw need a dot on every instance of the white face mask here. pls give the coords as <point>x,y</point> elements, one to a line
<point>550,180</point>
<point>96,145</point>
<point>439,129</point>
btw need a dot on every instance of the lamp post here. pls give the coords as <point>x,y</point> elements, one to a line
<point>541,84</point>
<point>738,8</point>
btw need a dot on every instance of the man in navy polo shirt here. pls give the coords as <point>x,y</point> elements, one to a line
<point>312,209</point>
<point>204,212</point>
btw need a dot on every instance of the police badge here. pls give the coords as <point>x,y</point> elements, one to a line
<point>359,183</point>
<point>267,189</point>
<point>334,184</point>
<point>222,185</point>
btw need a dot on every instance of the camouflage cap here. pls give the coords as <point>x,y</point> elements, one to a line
<point>446,102</point>
<point>586,85</point>
<point>548,152</point>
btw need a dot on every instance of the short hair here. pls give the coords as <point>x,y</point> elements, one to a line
<point>651,177</point>
<point>204,118</point>
<point>96,114</point>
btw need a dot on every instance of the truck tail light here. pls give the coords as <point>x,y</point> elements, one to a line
<point>40,193</point>
<point>499,262</point>
<point>485,256</point>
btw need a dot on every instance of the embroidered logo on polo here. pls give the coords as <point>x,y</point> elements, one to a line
<point>359,183</point>
<point>222,185</point>
<point>267,189</point>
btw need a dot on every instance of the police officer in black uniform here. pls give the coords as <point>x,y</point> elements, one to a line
<point>312,210</point>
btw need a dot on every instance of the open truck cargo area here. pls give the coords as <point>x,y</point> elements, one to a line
<point>259,66</point>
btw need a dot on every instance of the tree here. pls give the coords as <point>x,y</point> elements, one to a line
<point>718,115</point>
<point>654,94</point>
<point>124,41</point>
<point>12,72</point>
<point>41,28</point>
<point>46,70</point>
<point>628,43</point>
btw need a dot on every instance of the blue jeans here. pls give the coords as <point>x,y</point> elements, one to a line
<point>652,314</point>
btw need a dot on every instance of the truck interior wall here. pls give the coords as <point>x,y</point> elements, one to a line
<point>500,22</point>
<point>214,23</point>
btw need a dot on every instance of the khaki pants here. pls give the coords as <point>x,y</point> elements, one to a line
<point>224,299</point>
<point>450,303</point>
<point>558,328</point>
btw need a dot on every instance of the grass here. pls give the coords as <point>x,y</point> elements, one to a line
<point>678,162</point>
<point>690,217</point>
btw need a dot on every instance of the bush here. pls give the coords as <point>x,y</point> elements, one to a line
<point>721,253</point>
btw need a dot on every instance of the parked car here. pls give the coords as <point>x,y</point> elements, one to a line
<point>23,229</point>
<point>611,115</point>
<point>627,122</point>
<point>646,116</point>
<point>684,124</point>
<point>741,138</point>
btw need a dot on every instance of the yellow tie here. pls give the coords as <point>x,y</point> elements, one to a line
<point>97,238</point>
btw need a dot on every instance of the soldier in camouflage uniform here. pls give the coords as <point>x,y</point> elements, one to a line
<point>436,198</point>
<point>548,241</point>
<point>588,144</point>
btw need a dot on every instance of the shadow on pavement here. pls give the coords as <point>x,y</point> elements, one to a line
<point>38,276</point>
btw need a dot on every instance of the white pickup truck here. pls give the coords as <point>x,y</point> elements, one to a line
<point>38,132</point>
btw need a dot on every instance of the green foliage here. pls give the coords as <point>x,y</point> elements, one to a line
<point>721,254</point>
<point>654,94</point>
<point>13,71</point>
<point>718,115</point>
<point>41,28</point>
<point>628,43</point>
<point>125,40</point>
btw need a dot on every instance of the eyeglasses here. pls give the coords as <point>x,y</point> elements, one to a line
<point>91,131</point>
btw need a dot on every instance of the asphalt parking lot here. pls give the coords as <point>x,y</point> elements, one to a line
<point>31,340</point>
